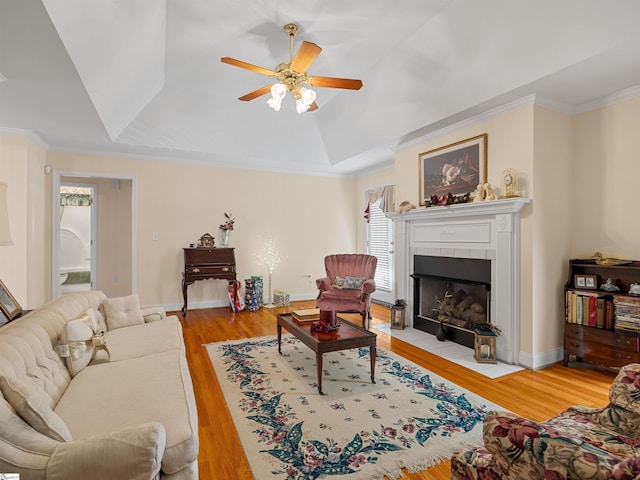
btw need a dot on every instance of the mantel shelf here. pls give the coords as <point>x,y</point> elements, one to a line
<point>460,210</point>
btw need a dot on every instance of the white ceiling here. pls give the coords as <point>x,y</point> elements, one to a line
<point>144,77</point>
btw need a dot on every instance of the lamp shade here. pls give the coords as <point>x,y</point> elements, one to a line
<point>5,233</point>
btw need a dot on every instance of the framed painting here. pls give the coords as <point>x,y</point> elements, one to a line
<point>8,304</point>
<point>456,169</point>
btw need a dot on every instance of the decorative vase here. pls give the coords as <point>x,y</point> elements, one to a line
<point>225,238</point>
<point>328,316</point>
<point>441,333</point>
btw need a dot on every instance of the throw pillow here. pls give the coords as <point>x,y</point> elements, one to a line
<point>81,337</point>
<point>32,406</point>
<point>354,283</point>
<point>338,282</point>
<point>123,312</point>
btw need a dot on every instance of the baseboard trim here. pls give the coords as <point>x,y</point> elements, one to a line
<point>172,307</point>
<point>541,360</point>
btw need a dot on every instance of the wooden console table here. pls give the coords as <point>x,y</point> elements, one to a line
<point>203,263</point>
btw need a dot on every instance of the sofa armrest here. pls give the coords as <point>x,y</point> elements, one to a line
<point>528,449</point>
<point>627,469</point>
<point>153,314</point>
<point>611,417</point>
<point>323,284</point>
<point>369,286</point>
<point>133,453</point>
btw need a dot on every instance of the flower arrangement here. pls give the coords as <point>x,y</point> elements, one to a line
<point>228,223</point>
<point>443,308</point>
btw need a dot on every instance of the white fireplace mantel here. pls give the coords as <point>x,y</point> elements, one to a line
<point>487,230</point>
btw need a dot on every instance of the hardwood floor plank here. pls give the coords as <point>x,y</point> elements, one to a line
<point>536,395</point>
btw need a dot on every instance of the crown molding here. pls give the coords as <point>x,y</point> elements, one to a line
<point>533,99</point>
<point>30,134</point>
<point>468,122</point>
<point>620,96</point>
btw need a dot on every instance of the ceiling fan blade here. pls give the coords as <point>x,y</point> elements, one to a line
<point>307,53</point>
<point>256,93</point>
<point>312,107</point>
<point>331,82</point>
<point>248,66</point>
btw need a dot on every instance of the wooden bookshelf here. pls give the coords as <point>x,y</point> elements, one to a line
<point>601,327</point>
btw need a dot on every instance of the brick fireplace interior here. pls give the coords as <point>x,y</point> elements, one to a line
<point>460,288</point>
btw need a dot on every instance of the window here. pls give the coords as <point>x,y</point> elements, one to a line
<point>380,244</point>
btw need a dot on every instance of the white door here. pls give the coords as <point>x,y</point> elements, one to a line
<point>380,244</point>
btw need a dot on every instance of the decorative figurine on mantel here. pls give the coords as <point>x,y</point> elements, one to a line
<point>609,286</point>
<point>483,192</point>
<point>600,260</point>
<point>406,206</point>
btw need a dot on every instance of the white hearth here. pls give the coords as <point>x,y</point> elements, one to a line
<point>485,230</point>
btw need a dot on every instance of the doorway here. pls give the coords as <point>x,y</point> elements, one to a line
<point>77,238</point>
<point>112,248</point>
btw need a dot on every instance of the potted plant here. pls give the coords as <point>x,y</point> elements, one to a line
<point>443,314</point>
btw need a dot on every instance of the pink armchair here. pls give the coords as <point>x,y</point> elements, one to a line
<point>348,285</point>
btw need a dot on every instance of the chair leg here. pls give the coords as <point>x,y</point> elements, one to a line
<point>364,319</point>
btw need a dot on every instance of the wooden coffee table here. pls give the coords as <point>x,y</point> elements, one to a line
<point>347,336</point>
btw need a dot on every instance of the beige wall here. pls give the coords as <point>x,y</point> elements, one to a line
<point>308,217</point>
<point>23,265</point>
<point>550,233</point>
<point>605,177</point>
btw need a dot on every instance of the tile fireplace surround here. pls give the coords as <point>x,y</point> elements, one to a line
<point>486,230</point>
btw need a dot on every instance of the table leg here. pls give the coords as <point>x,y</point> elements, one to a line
<point>372,355</point>
<point>184,297</point>
<point>319,369</point>
<point>279,338</point>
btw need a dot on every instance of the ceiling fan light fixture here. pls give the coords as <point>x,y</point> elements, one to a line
<point>278,92</point>
<point>304,98</point>
<point>292,75</point>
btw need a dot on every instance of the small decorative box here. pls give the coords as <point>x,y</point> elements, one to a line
<point>280,298</point>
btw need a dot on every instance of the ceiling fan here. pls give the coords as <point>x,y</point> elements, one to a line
<point>292,76</point>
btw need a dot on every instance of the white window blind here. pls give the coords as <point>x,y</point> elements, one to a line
<point>379,244</point>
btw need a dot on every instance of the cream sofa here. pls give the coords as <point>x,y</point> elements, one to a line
<point>130,413</point>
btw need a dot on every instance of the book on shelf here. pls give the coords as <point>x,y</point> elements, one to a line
<point>591,302</point>
<point>608,315</point>
<point>307,315</point>
<point>600,312</point>
<point>593,309</point>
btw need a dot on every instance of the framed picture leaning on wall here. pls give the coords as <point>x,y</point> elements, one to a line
<point>457,168</point>
<point>8,304</point>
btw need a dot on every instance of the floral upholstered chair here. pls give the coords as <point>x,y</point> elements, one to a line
<point>348,285</point>
<point>581,443</point>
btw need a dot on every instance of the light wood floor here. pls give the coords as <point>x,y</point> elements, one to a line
<point>536,395</point>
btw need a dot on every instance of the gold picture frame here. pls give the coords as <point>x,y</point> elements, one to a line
<point>454,169</point>
<point>9,305</point>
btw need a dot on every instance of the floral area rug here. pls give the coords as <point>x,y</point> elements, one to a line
<point>357,430</point>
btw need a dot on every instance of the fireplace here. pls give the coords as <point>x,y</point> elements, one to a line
<point>486,231</point>
<point>456,289</point>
